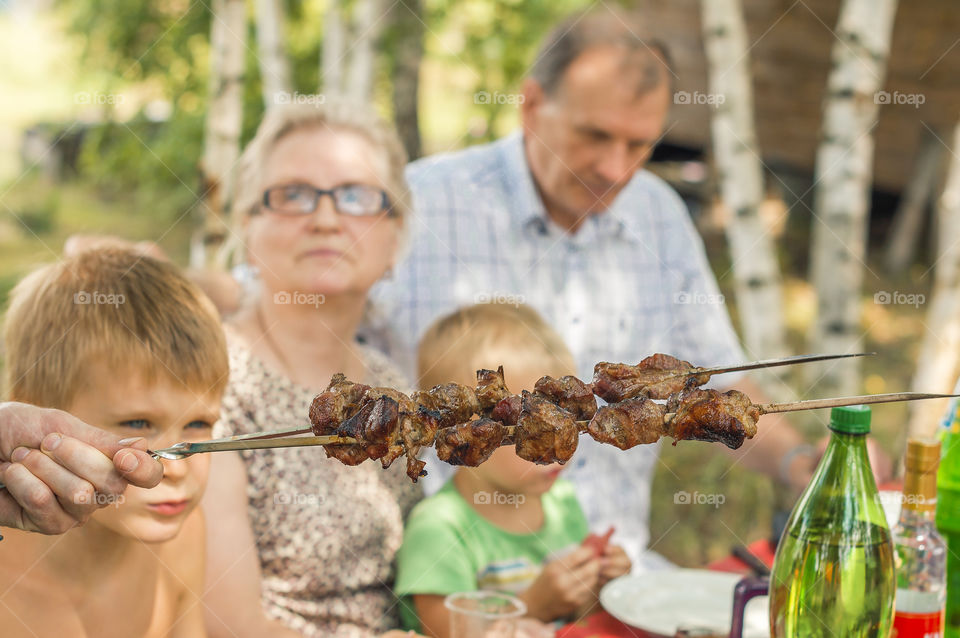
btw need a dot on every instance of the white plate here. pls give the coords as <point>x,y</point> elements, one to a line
<point>665,601</point>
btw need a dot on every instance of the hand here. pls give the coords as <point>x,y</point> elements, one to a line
<point>53,464</point>
<point>530,628</point>
<point>564,586</point>
<point>614,564</point>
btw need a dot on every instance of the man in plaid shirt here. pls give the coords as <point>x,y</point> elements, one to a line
<point>562,216</point>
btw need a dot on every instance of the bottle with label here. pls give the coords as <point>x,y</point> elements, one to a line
<point>833,572</point>
<point>948,514</point>
<point>921,553</point>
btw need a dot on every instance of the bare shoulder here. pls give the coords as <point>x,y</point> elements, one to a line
<point>33,606</point>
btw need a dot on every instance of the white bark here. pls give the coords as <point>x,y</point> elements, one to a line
<point>274,65</point>
<point>937,364</point>
<point>367,25</point>
<point>334,53</point>
<point>224,120</point>
<point>843,178</point>
<point>755,268</point>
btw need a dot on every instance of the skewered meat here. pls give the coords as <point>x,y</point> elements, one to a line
<point>657,377</point>
<point>374,426</point>
<point>507,411</point>
<point>418,431</point>
<point>470,443</point>
<point>545,432</point>
<point>491,389</point>
<point>331,408</point>
<point>708,415</point>
<point>340,400</point>
<point>569,393</point>
<point>543,425</point>
<point>453,402</point>
<point>628,423</point>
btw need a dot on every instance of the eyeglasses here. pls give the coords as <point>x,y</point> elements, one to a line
<point>357,200</point>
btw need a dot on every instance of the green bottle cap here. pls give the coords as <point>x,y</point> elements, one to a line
<point>850,419</point>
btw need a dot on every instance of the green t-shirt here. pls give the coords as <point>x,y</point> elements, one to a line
<point>448,547</point>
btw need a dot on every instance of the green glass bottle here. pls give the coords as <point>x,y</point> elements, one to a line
<point>833,572</point>
<point>948,513</point>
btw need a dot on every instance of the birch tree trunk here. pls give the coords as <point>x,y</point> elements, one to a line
<point>843,179</point>
<point>755,268</point>
<point>367,25</point>
<point>224,119</point>
<point>406,43</point>
<point>937,364</point>
<point>274,65</point>
<point>333,51</point>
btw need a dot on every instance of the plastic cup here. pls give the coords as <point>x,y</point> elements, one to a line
<point>483,614</point>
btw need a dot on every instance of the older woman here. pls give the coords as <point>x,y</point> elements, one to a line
<point>301,544</point>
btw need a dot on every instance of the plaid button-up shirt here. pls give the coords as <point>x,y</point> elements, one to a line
<point>631,281</point>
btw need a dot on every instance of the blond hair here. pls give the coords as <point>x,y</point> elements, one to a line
<point>486,336</point>
<point>338,115</point>
<point>112,306</point>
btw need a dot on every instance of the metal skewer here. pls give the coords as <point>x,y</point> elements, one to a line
<point>278,438</point>
<point>771,363</point>
<point>183,450</point>
<point>816,404</point>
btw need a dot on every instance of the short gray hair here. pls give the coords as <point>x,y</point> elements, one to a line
<point>646,57</point>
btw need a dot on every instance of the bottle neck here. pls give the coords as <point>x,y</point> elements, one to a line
<point>920,491</point>
<point>845,461</point>
<point>849,446</point>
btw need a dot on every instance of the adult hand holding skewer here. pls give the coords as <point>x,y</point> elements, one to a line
<point>53,464</point>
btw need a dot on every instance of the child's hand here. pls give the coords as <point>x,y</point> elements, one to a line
<point>613,564</point>
<point>530,628</point>
<point>597,542</point>
<point>564,585</point>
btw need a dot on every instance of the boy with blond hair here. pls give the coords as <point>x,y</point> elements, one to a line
<point>128,344</point>
<point>508,525</point>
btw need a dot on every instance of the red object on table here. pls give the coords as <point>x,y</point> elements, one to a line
<point>602,625</point>
<point>762,549</point>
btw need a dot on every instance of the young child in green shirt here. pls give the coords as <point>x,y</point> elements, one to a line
<point>508,525</point>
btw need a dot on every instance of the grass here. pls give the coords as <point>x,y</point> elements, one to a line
<point>36,217</point>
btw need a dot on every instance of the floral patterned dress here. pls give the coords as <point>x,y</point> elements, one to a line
<point>327,534</point>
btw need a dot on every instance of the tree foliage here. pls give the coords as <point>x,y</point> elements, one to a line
<point>161,49</point>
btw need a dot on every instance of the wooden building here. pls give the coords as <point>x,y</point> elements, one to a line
<point>790,59</point>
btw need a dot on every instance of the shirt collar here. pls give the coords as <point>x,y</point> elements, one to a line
<point>527,211</point>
